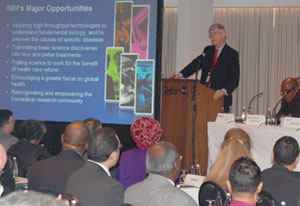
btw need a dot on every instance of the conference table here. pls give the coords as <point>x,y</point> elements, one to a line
<point>262,138</point>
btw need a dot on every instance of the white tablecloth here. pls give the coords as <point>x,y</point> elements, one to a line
<point>263,139</point>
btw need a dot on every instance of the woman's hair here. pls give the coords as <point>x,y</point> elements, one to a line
<point>236,144</point>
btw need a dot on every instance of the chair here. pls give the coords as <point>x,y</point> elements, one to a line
<point>72,199</point>
<point>209,191</point>
<point>265,199</point>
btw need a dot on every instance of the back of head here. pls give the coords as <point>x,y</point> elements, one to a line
<point>236,144</point>
<point>102,143</point>
<point>31,129</point>
<point>244,176</point>
<point>146,131</point>
<point>160,158</point>
<point>3,158</point>
<point>76,134</point>
<point>286,150</point>
<point>92,124</point>
<point>4,116</point>
<point>30,198</point>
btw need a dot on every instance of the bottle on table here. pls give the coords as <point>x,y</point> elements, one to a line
<point>227,199</point>
<point>14,167</point>
<point>244,114</point>
<point>197,171</point>
<point>268,117</point>
<point>192,171</point>
<point>282,203</point>
<point>218,201</point>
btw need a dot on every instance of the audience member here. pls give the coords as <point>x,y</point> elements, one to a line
<point>280,180</point>
<point>145,131</point>
<point>92,184</point>
<point>50,175</point>
<point>298,80</point>
<point>236,144</point>
<point>27,150</point>
<point>290,104</point>
<point>163,165</point>
<point>30,198</point>
<point>7,124</point>
<point>92,124</point>
<point>244,182</point>
<point>3,159</point>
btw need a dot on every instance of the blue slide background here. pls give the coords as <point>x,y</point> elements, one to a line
<point>93,104</point>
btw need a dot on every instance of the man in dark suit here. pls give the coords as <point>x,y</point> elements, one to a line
<point>92,184</point>
<point>290,104</point>
<point>219,64</point>
<point>7,125</point>
<point>50,175</point>
<point>280,180</point>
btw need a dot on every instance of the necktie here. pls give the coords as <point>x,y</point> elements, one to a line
<point>212,68</point>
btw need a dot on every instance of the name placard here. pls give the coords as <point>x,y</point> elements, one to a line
<point>225,117</point>
<point>291,122</point>
<point>256,119</point>
<point>193,180</point>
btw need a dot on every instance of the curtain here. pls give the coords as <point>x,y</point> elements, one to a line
<point>267,40</point>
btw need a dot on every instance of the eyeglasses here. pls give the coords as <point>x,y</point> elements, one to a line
<point>287,91</point>
<point>214,33</point>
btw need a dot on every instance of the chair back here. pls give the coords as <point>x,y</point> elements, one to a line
<point>265,199</point>
<point>209,191</point>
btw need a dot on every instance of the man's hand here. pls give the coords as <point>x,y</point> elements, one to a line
<point>218,94</point>
<point>174,75</point>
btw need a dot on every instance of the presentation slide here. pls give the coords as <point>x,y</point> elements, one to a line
<point>68,60</point>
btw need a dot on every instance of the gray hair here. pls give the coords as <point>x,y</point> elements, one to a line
<point>30,198</point>
<point>214,26</point>
<point>161,163</point>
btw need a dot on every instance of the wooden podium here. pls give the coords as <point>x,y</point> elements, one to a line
<point>177,118</point>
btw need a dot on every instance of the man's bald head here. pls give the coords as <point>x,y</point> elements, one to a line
<point>289,88</point>
<point>76,134</point>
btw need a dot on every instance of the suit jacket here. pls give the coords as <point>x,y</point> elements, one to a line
<point>157,190</point>
<point>290,108</point>
<point>282,184</point>
<point>7,140</point>
<point>27,154</point>
<point>226,73</point>
<point>92,186</point>
<point>50,175</point>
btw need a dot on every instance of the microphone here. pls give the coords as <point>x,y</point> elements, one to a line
<point>252,99</point>
<point>195,63</point>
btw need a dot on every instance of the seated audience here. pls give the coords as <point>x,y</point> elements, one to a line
<point>27,150</point>
<point>30,198</point>
<point>50,175</point>
<point>236,144</point>
<point>92,184</point>
<point>280,180</point>
<point>244,182</point>
<point>92,124</point>
<point>7,124</point>
<point>7,182</point>
<point>163,165</point>
<point>290,104</point>
<point>145,131</point>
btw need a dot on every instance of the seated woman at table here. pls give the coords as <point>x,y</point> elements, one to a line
<point>236,144</point>
<point>145,131</point>
<point>27,150</point>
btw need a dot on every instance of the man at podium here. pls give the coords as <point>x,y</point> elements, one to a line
<point>219,64</point>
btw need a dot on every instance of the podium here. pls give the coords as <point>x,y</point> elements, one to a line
<point>177,118</point>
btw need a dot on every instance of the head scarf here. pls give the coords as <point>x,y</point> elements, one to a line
<point>146,131</point>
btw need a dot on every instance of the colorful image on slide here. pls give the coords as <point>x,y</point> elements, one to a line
<point>123,14</point>
<point>127,83</point>
<point>140,31</point>
<point>112,83</point>
<point>144,87</point>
